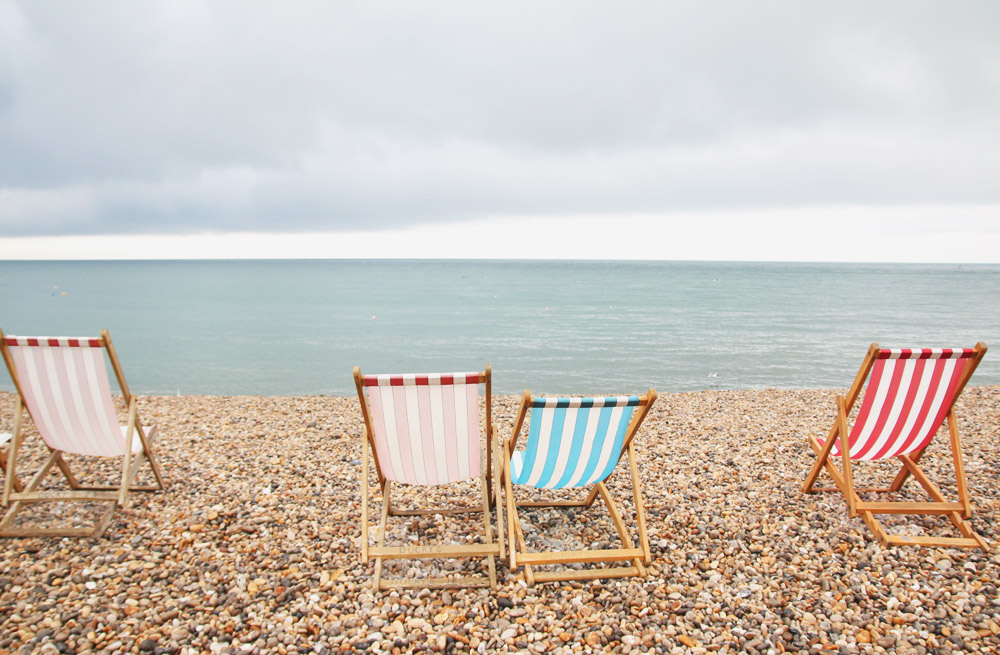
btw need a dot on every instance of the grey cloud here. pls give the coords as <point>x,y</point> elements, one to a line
<point>167,118</point>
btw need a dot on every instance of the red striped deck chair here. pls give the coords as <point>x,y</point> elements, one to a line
<point>576,442</point>
<point>910,394</point>
<point>63,384</point>
<point>425,430</point>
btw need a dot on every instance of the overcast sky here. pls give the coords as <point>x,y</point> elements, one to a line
<point>833,131</point>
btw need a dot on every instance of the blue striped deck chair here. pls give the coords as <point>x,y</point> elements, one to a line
<point>576,442</point>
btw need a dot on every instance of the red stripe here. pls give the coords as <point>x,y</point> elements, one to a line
<point>883,417</point>
<point>949,398</point>
<point>866,406</point>
<point>911,394</point>
<point>422,380</point>
<point>925,407</point>
<point>32,342</point>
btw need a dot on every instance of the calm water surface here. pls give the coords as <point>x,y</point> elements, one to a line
<point>298,327</point>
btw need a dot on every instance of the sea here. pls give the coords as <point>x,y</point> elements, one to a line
<point>298,327</point>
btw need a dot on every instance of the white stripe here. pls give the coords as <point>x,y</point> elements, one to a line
<point>67,432</point>
<point>569,427</point>
<point>462,435</point>
<point>413,424</point>
<point>87,440</point>
<point>876,409</point>
<point>391,434</point>
<point>542,451</point>
<point>516,462</point>
<point>918,401</point>
<point>593,419</point>
<point>28,373</point>
<point>939,396</point>
<point>437,430</point>
<point>897,403</point>
<point>94,366</point>
<point>608,445</point>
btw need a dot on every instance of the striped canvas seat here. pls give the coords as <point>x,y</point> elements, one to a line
<point>910,395</point>
<point>426,427</point>
<point>53,371</point>
<point>63,384</point>
<point>572,442</point>
<point>425,430</point>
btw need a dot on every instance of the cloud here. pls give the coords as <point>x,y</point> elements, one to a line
<point>188,117</point>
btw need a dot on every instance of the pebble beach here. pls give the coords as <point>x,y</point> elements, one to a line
<point>254,545</point>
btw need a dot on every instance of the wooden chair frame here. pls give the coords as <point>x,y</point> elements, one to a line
<point>517,547</point>
<point>15,498</point>
<point>956,512</point>
<point>489,483</point>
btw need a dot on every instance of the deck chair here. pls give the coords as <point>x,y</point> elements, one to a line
<point>63,384</point>
<point>576,442</point>
<point>910,394</point>
<point>424,430</point>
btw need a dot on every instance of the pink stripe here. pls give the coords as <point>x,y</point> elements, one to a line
<point>90,408</point>
<point>427,435</point>
<point>33,386</point>
<point>378,427</point>
<point>450,436</point>
<point>403,433</point>
<point>472,398</point>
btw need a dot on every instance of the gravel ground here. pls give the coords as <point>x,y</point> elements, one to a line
<point>253,547</point>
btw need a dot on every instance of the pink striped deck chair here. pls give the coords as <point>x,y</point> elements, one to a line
<point>425,430</point>
<point>911,392</point>
<point>573,443</point>
<point>63,384</point>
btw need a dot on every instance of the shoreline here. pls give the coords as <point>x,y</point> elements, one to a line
<point>255,540</point>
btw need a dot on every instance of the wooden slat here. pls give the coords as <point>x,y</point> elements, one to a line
<point>433,550</point>
<point>553,503</point>
<point>432,512</point>
<point>587,574</point>
<point>954,542</point>
<point>65,496</point>
<point>434,583</point>
<point>910,508</point>
<point>48,532</point>
<point>580,556</point>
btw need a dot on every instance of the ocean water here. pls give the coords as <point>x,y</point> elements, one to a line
<point>298,327</point>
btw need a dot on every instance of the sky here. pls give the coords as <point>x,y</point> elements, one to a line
<point>782,131</point>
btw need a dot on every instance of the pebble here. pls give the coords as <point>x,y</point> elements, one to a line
<point>252,547</point>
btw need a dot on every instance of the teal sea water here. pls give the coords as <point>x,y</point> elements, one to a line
<point>298,327</point>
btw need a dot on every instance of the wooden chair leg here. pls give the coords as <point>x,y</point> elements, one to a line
<point>381,532</point>
<point>619,523</point>
<point>956,455</point>
<point>488,532</point>
<point>364,499</point>
<point>640,513</point>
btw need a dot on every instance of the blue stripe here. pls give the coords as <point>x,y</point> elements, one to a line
<point>599,437</point>
<point>574,454</point>
<point>555,440</point>
<point>530,449</point>
<point>616,450</point>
